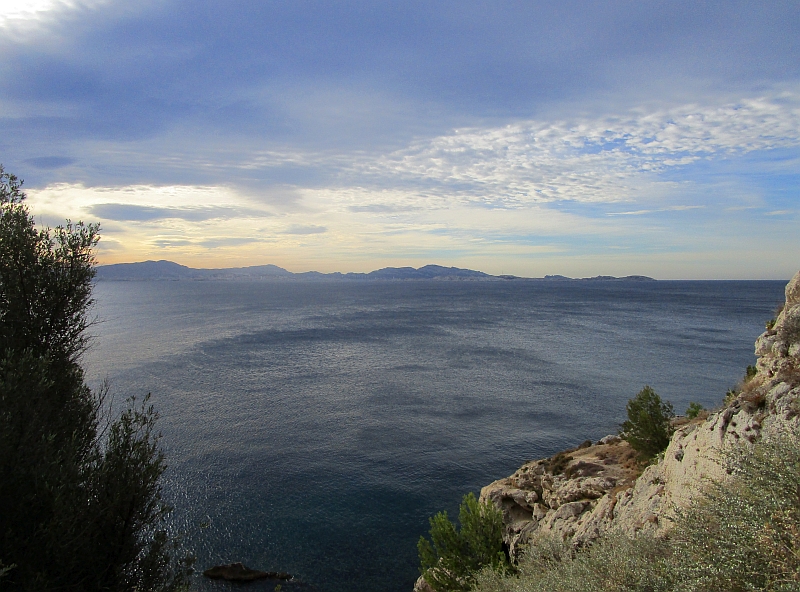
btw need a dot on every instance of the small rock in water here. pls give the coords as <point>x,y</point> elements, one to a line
<point>238,572</point>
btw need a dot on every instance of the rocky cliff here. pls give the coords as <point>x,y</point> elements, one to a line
<point>594,489</point>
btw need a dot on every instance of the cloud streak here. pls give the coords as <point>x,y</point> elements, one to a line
<point>133,213</point>
<point>301,230</point>
<point>604,159</point>
<point>50,162</point>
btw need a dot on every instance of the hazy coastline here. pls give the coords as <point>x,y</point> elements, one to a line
<point>168,270</point>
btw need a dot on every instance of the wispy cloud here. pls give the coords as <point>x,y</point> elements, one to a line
<point>643,212</point>
<point>50,162</point>
<point>373,209</point>
<point>170,243</point>
<point>299,229</point>
<point>604,159</point>
<point>231,241</point>
<point>135,213</point>
<point>24,10</point>
<point>147,202</point>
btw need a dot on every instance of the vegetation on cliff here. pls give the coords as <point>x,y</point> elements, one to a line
<point>450,560</point>
<point>744,534</point>
<point>80,495</point>
<point>647,428</point>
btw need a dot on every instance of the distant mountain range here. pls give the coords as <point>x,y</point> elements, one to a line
<point>167,270</point>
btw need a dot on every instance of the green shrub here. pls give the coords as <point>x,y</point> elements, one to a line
<point>4,569</point>
<point>558,462</point>
<point>647,428</point>
<point>770,324</point>
<point>730,396</point>
<point>613,564</point>
<point>450,560</point>
<point>694,410</point>
<point>745,533</point>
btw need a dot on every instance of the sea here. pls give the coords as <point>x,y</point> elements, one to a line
<point>314,427</point>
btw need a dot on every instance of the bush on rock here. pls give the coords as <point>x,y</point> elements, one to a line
<point>647,428</point>
<point>453,556</point>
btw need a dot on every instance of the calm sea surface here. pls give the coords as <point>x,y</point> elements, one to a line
<point>314,427</point>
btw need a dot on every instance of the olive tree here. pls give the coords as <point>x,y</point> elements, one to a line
<point>80,496</point>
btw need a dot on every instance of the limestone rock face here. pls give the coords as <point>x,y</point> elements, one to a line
<point>559,494</point>
<point>584,493</point>
<point>793,291</point>
<point>421,585</point>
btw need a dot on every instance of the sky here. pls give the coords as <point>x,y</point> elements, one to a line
<point>530,138</point>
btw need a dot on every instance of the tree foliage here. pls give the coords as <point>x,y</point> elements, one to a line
<point>80,500</point>
<point>450,560</point>
<point>693,410</point>
<point>647,428</point>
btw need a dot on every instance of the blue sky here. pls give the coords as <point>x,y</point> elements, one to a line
<point>531,138</point>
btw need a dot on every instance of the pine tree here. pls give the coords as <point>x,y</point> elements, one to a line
<point>453,556</point>
<point>648,427</point>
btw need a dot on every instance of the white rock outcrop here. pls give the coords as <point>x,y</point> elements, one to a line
<point>583,493</point>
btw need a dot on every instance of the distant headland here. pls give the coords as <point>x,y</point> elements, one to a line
<point>168,270</point>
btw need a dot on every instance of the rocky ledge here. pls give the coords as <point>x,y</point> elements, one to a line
<point>238,572</point>
<point>592,490</point>
<point>558,494</point>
